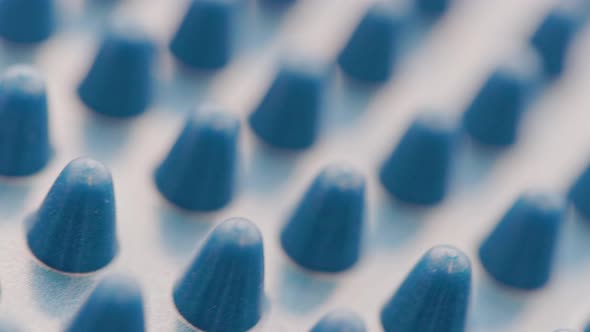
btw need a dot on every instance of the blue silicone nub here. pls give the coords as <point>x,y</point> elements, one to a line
<point>417,170</point>
<point>519,251</point>
<point>552,40</point>
<point>579,194</point>
<point>432,8</point>
<point>223,288</point>
<point>74,229</point>
<point>340,321</point>
<point>116,304</point>
<point>288,115</point>
<point>24,134</point>
<point>199,172</point>
<point>434,297</point>
<point>370,52</point>
<point>324,233</point>
<point>205,38</point>
<point>27,21</point>
<point>121,79</point>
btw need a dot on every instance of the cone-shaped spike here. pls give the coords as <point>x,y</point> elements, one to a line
<point>116,304</point>
<point>371,50</point>
<point>74,229</point>
<point>199,172</point>
<point>205,37</point>
<point>223,288</point>
<point>434,297</point>
<point>288,115</point>
<point>120,81</point>
<point>27,21</point>
<point>417,170</point>
<point>519,251</point>
<point>579,194</point>
<point>24,136</point>
<point>340,321</point>
<point>325,231</point>
<point>432,8</point>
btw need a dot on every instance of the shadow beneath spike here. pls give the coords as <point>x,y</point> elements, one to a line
<point>396,223</point>
<point>104,137</point>
<point>263,22</point>
<point>474,163</point>
<point>186,88</point>
<point>13,196</point>
<point>301,292</point>
<point>56,294</point>
<point>347,100</point>
<point>573,251</point>
<point>494,306</point>
<point>269,168</point>
<point>13,54</point>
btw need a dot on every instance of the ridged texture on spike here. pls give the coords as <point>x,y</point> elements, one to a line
<point>120,81</point>
<point>324,233</point>
<point>340,321</point>
<point>434,297</point>
<point>417,171</point>
<point>288,115</point>
<point>74,229</point>
<point>199,172</point>
<point>27,21</point>
<point>205,37</point>
<point>24,134</point>
<point>579,194</point>
<point>222,290</point>
<point>371,50</point>
<point>116,304</point>
<point>519,251</point>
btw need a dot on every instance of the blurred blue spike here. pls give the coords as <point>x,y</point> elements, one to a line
<point>340,321</point>
<point>116,304</point>
<point>27,21</point>
<point>199,172</point>
<point>223,288</point>
<point>371,50</point>
<point>324,233</point>
<point>417,170</point>
<point>24,134</point>
<point>432,8</point>
<point>205,38</point>
<point>519,251</point>
<point>121,79</point>
<point>74,229</point>
<point>288,115</point>
<point>579,194</point>
<point>434,297</point>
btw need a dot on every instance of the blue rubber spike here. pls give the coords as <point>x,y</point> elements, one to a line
<point>432,8</point>
<point>223,288</point>
<point>121,79</point>
<point>417,171</point>
<point>74,229</point>
<point>27,21</point>
<point>579,194</point>
<point>205,38</point>
<point>116,304</point>
<point>325,231</point>
<point>340,321</point>
<point>435,295</point>
<point>371,50</point>
<point>519,251</point>
<point>553,38</point>
<point>493,117</point>
<point>199,172</point>
<point>288,115</point>
<point>24,135</point>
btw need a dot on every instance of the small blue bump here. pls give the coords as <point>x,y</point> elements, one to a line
<point>116,304</point>
<point>340,321</point>
<point>27,21</point>
<point>24,134</point>
<point>205,38</point>
<point>121,79</point>
<point>371,50</point>
<point>223,288</point>
<point>519,251</point>
<point>288,115</point>
<point>74,229</point>
<point>433,8</point>
<point>579,194</point>
<point>553,38</point>
<point>434,297</point>
<point>324,233</point>
<point>199,172</point>
<point>417,170</point>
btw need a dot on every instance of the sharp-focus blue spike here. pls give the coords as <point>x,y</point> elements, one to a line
<point>74,229</point>
<point>222,290</point>
<point>340,321</point>
<point>27,21</point>
<point>434,297</point>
